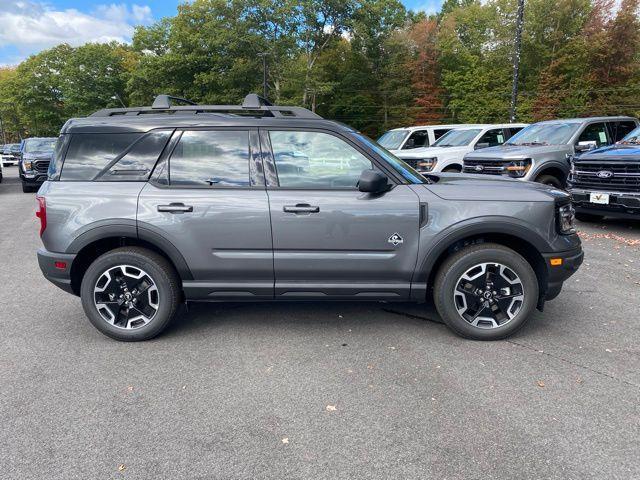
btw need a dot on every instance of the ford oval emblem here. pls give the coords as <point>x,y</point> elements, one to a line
<point>604,174</point>
<point>479,168</point>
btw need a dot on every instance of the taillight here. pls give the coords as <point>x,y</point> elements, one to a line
<point>41,213</point>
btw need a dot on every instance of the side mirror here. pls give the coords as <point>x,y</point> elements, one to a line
<point>585,146</point>
<point>373,181</point>
<point>481,145</point>
<point>409,144</point>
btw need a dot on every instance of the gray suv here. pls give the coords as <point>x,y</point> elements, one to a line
<point>146,208</point>
<point>540,152</point>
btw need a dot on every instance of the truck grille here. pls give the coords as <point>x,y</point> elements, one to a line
<point>619,176</point>
<point>41,166</point>
<point>484,166</point>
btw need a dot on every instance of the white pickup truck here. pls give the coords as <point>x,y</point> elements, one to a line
<point>447,153</point>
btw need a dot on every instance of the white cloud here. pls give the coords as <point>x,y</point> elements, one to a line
<point>30,26</point>
<point>430,7</point>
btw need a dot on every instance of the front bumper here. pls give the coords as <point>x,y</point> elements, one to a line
<point>621,204</point>
<point>60,277</point>
<point>33,179</point>
<point>569,262</point>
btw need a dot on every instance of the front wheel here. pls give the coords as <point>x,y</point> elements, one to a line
<point>485,292</point>
<point>130,293</point>
<point>550,180</point>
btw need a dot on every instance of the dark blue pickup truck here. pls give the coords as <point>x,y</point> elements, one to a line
<point>606,182</point>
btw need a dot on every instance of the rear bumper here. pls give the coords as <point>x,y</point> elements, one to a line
<point>621,204</point>
<point>60,277</point>
<point>558,274</point>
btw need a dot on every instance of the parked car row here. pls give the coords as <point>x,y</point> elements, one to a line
<point>33,156</point>
<point>596,159</point>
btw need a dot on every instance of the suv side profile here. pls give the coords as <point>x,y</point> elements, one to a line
<point>447,153</point>
<point>540,152</point>
<point>149,207</point>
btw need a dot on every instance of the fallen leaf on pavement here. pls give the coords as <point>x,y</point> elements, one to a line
<point>121,467</point>
<point>540,383</point>
<point>331,408</point>
<point>285,441</point>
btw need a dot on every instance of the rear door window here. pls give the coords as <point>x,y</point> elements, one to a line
<point>89,153</point>
<point>211,158</point>
<point>438,132</point>
<point>619,130</point>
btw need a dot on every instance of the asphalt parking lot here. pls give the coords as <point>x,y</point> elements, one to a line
<point>311,390</point>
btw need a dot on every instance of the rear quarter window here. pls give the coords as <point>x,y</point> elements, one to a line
<point>89,153</point>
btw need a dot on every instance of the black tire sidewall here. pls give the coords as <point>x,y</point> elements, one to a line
<point>459,264</point>
<point>167,297</point>
<point>550,180</point>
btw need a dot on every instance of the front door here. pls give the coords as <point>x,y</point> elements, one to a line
<point>331,240</point>
<point>207,197</point>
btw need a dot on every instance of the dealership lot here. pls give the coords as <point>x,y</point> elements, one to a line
<point>331,390</point>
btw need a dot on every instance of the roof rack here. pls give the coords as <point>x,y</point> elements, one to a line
<point>253,105</point>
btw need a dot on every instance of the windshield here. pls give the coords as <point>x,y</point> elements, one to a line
<point>14,147</point>
<point>393,139</point>
<point>632,138</point>
<point>394,162</point>
<point>39,145</point>
<point>457,138</point>
<point>553,133</point>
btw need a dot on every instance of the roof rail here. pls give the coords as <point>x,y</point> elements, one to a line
<point>253,105</point>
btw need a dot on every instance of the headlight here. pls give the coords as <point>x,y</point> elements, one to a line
<point>426,164</point>
<point>566,216</point>
<point>27,165</point>
<point>519,168</point>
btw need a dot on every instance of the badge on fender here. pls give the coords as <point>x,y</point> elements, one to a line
<point>395,239</point>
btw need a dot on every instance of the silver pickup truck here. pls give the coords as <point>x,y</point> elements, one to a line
<point>540,152</point>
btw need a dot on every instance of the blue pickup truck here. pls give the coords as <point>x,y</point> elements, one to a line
<point>606,182</point>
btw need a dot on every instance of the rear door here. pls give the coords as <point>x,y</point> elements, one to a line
<point>207,197</point>
<point>330,240</point>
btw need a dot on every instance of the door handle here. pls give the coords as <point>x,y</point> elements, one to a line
<point>175,208</point>
<point>301,208</point>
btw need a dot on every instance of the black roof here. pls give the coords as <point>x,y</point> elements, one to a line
<point>254,112</point>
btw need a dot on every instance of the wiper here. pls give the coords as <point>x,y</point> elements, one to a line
<point>527,144</point>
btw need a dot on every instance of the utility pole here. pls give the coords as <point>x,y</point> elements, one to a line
<point>516,61</point>
<point>265,87</point>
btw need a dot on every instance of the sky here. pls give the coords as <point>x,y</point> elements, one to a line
<point>29,26</point>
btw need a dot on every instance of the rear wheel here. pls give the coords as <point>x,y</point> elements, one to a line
<point>550,180</point>
<point>589,217</point>
<point>130,293</point>
<point>486,292</point>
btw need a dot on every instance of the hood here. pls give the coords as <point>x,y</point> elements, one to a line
<point>510,152</point>
<point>38,155</point>
<point>457,186</point>
<point>428,152</point>
<point>612,152</point>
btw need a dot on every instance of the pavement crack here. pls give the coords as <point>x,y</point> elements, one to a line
<point>410,315</point>
<point>571,362</point>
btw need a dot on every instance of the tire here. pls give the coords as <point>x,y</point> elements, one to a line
<point>589,217</point>
<point>550,180</point>
<point>165,292</point>
<point>27,189</point>
<point>452,169</point>
<point>448,299</point>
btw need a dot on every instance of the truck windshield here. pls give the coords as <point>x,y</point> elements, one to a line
<point>40,145</point>
<point>548,133</point>
<point>393,139</point>
<point>408,173</point>
<point>457,138</point>
<point>632,138</point>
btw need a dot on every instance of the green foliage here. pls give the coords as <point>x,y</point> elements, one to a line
<point>368,63</point>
